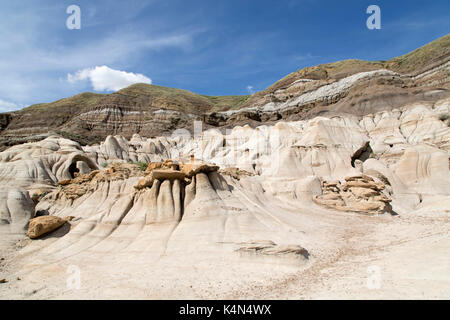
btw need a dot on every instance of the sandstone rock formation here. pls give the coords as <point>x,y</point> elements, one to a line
<point>199,204</point>
<point>177,216</point>
<point>17,208</point>
<point>80,185</point>
<point>236,173</point>
<point>359,193</point>
<point>44,224</point>
<point>270,248</point>
<point>168,170</point>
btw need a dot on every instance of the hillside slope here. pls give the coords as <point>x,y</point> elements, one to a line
<point>89,117</point>
<point>343,87</point>
<point>419,61</point>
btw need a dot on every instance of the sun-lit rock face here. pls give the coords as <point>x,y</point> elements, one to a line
<point>285,194</point>
<point>357,194</point>
<point>17,208</point>
<point>31,170</point>
<point>44,224</point>
<point>46,162</point>
<point>406,148</point>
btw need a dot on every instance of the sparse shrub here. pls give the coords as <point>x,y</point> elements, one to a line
<point>175,121</point>
<point>142,165</point>
<point>444,117</point>
<point>104,164</point>
<point>274,98</point>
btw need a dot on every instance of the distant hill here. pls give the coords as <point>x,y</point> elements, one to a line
<point>152,110</point>
<point>420,60</point>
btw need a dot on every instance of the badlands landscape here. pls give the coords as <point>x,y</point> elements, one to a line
<point>333,183</point>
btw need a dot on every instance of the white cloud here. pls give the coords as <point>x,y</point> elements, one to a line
<point>104,78</point>
<point>6,106</point>
<point>307,56</point>
<point>250,89</point>
<point>37,49</point>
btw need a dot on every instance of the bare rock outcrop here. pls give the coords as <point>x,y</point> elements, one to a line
<point>33,170</point>
<point>358,194</point>
<point>41,225</point>
<point>236,173</point>
<point>170,170</point>
<point>82,184</point>
<point>271,249</point>
<point>190,215</point>
<point>191,169</point>
<point>16,208</point>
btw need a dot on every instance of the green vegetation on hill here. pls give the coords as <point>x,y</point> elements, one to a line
<point>183,99</point>
<point>227,102</point>
<point>178,99</point>
<point>142,165</point>
<point>420,57</point>
<point>145,95</point>
<point>187,101</point>
<point>82,100</point>
<point>406,64</point>
<point>84,140</point>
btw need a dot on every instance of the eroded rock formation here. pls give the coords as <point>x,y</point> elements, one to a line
<point>197,204</point>
<point>359,194</point>
<point>41,225</point>
<point>352,87</point>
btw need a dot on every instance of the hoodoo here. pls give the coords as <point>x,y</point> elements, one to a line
<point>294,192</point>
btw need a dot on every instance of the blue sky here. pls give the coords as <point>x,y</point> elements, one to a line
<point>206,46</point>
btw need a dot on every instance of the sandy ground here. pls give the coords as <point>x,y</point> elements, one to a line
<point>367,257</point>
<point>410,255</point>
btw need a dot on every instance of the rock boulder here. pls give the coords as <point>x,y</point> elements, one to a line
<point>44,224</point>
